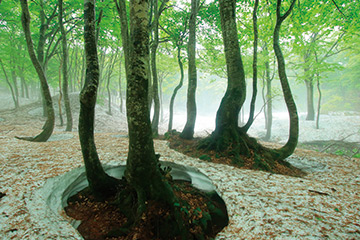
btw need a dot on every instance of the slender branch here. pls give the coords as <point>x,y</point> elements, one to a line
<point>283,17</point>
<point>337,7</point>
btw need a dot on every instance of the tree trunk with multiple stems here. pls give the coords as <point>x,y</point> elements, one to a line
<point>227,133</point>
<point>50,121</point>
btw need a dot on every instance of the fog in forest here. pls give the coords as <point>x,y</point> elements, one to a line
<point>337,105</point>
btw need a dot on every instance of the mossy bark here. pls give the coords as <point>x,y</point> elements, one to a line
<point>142,166</point>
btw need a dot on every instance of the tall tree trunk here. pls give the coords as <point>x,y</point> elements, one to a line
<point>40,48</point>
<point>99,182</point>
<point>188,131</point>
<point>291,144</point>
<point>24,87</point>
<point>155,81</point>
<point>250,121</point>
<point>60,96</point>
<point>102,64</point>
<point>319,92</point>
<point>228,137</point>
<point>16,103</point>
<point>83,73</point>
<point>268,108</point>
<point>310,99</point>
<point>319,105</point>
<point>65,83</point>
<point>110,69</point>
<point>177,88</point>
<point>226,131</point>
<point>120,87</point>
<point>50,122</point>
<point>15,84</point>
<point>125,39</point>
<point>142,167</point>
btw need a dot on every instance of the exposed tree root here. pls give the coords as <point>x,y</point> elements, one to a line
<point>239,147</point>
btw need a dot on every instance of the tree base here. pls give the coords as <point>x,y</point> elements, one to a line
<point>202,215</point>
<point>246,153</point>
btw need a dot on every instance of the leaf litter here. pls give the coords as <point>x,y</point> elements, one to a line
<point>323,204</point>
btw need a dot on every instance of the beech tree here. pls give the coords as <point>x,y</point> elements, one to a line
<point>100,183</point>
<point>227,132</point>
<point>50,121</point>
<point>142,167</point>
<point>188,131</point>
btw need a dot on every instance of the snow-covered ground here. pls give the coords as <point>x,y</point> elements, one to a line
<point>324,204</point>
<point>333,126</point>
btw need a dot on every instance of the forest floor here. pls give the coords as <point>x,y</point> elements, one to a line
<point>325,203</point>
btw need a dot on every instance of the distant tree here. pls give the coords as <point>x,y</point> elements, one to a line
<point>318,29</point>
<point>175,27</point>
<point>14,97</point>
<point>268,96</point>
<point>65,85</point>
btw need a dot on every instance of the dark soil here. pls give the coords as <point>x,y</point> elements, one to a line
<point>104,220</point>
<point>190,148</point>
